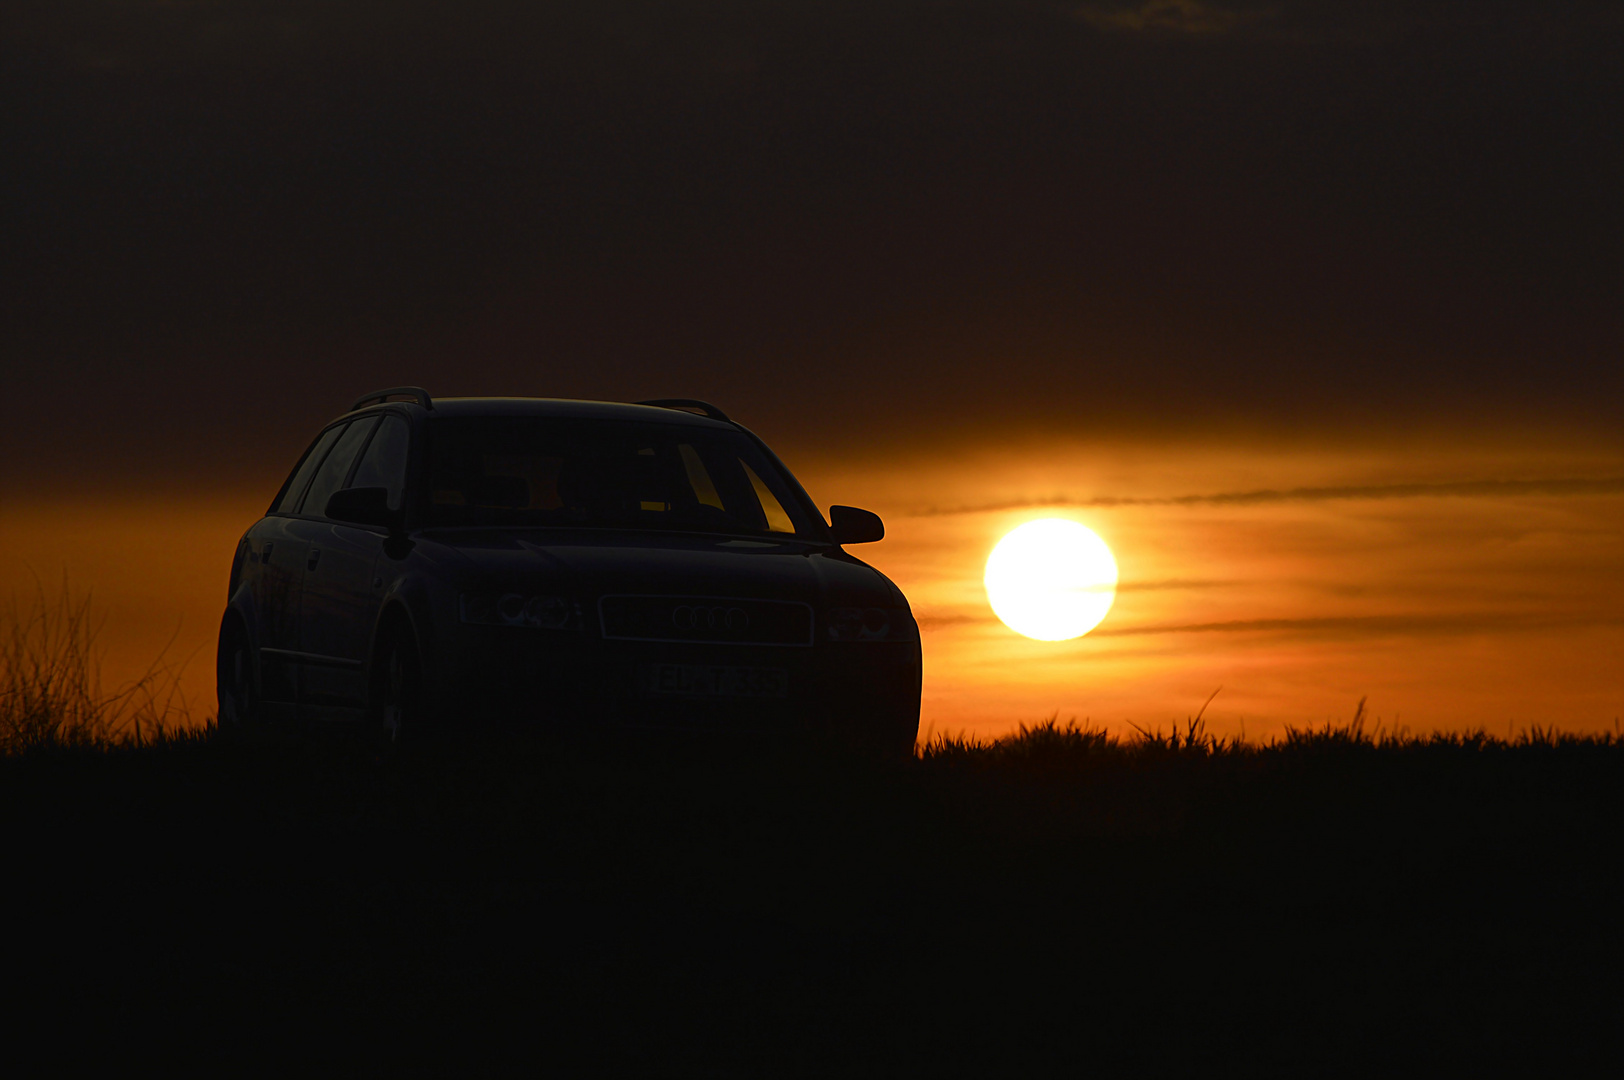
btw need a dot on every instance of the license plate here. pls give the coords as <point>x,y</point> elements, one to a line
<point>715,680</point>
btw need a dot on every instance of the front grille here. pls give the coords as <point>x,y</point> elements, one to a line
<point>706,620</point>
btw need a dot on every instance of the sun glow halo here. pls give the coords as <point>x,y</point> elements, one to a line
<point>1051,579</point>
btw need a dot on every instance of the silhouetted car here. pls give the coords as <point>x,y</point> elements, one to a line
<point>534,560</point>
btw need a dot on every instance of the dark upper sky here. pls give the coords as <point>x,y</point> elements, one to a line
<point>848,222</point>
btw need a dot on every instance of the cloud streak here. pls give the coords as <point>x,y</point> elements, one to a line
<point>1356,626</point>
<point>1465,489</point>
<point>1377,625</point>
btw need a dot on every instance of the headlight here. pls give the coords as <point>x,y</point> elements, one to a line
<point>870,624</point>
<point>518,609</point>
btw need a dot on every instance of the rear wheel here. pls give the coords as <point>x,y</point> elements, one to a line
<point>236,680</point>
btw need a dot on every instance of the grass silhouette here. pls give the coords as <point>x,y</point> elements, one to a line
<point>51,690</point>
<point>1060,899</point>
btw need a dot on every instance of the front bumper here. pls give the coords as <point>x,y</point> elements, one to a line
<point>519,676</point>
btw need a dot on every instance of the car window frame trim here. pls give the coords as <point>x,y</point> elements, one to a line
<point>282,491</point>
<point>347,472</point>
<point>382,413</point>
<point>355,466</point>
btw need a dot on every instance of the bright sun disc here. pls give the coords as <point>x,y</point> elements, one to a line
<point>1051,579</point>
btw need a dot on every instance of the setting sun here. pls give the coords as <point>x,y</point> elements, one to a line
<point>1051,579</point>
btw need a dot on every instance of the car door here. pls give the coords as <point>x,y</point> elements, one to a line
<point>276,564</point>
<point>337,580</point>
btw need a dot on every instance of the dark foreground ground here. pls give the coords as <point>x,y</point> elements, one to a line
<point>1057,902</point>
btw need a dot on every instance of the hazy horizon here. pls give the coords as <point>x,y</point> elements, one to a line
<point>1450,598</point>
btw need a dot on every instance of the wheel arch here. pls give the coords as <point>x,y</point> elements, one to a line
<point>404,611</point>
<point>235,625</point>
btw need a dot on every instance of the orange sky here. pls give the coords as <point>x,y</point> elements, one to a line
<point>1453,587</point>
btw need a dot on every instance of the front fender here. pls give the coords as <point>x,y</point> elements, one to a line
<point>410,599</point>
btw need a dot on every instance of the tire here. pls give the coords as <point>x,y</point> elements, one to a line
<point>397,711</point>
<point>905,741</point>
<point>899,741</point>
<point>880,735</point>
<point>236,681</point>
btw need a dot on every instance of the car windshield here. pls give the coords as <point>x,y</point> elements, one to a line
<point>604,474</point>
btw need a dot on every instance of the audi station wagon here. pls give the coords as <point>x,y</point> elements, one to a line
<point>436,563</point>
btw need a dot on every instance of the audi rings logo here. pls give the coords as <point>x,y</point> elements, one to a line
<point>695,619</point>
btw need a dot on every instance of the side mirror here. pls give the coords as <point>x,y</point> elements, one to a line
<point>853,526</point>
<point>363,506</point>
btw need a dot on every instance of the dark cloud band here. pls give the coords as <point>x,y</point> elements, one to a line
<point>1380,625</point>
<point>1479,489</point>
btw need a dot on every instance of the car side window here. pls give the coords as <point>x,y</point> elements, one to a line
<point>332,471</point>
<point>294,489</point>
<point>384,462</point>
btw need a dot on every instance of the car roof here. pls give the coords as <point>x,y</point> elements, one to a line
<point>563,408</point>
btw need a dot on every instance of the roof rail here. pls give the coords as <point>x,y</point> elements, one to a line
<point>377,397</point>
<point>702,408</point>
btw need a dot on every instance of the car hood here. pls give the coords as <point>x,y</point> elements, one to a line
<point>588,564</point>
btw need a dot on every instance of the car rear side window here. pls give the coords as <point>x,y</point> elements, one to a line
<point>294,489</point>
<point>384,462</point>
<point>332,471</point>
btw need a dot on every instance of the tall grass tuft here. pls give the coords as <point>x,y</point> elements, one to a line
<point>1054,743</point>
<point>51,692</point>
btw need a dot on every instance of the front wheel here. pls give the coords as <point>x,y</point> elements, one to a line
<point>898,737</point>
<point>397,707</point>
<point>882,735</point>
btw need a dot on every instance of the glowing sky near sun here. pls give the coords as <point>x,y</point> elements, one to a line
<point>1299,582</point>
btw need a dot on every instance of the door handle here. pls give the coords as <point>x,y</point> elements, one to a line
<point>315,557</point>
<point>265,553</point>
